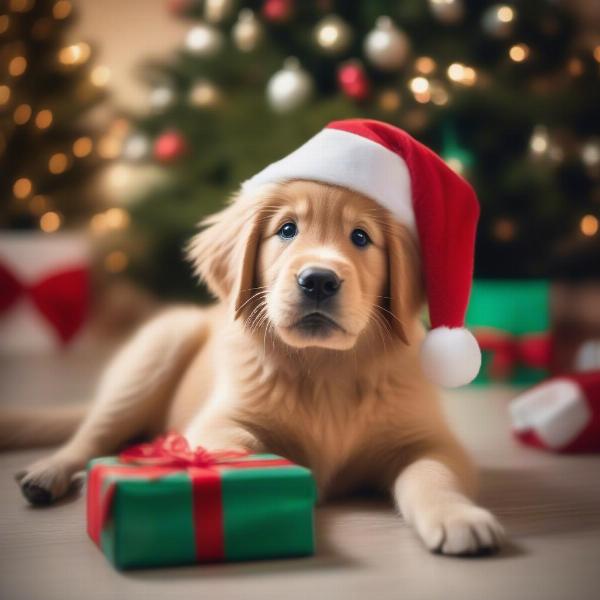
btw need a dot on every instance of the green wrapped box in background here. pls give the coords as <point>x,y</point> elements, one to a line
<point>157,513</point>
<point>511,321</point>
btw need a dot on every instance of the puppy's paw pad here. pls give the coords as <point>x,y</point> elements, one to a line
<point>44,482</point>
<point>36,495</point>
<point>462,530</point>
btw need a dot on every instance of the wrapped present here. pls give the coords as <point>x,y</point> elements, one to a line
<point>511,321</point>
<point>163,504</point>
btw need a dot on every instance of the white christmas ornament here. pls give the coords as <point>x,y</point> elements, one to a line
<point>386,46</point>
<point>447,11</point>
<point>247,31</point>
<point>161,97</point>
<point>333,34</point>
<point>127,181</point>
<point>136,147</point>
<point>289,88</point>
<point>204,40</point>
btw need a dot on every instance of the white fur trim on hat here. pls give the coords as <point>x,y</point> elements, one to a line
<point>343,158</point>
<point>450,357</point>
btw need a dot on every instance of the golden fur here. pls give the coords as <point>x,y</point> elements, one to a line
<point>349,402</point>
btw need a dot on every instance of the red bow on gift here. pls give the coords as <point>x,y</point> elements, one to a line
<point>173,450</point>
<point>509,351</point>
<point>62,297</point>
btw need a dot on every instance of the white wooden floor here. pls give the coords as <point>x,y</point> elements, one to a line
<point>550,506</point>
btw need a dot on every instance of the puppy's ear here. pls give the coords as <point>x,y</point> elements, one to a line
<point>224,252</point>
<point>405,285</point>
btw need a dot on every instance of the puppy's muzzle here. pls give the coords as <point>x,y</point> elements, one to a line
<point>318,284</point>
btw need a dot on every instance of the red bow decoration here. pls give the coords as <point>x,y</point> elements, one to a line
<point>510,350</point>
<point>62,297</point>
<point>174,451</point>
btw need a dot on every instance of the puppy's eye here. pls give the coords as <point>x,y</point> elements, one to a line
<point>288,231</point>
<point>360,238</point>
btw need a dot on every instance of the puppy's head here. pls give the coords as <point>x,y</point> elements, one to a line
<point>318,265</point>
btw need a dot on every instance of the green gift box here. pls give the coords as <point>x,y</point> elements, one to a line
<point>178,507</point>
<point>511,321</point>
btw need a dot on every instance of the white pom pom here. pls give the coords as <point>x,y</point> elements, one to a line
<point>450,357</point>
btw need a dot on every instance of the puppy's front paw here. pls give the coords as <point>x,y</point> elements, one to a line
<point>460,529</point>
<point>45,481</point>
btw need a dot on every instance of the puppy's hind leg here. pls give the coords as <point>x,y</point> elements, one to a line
<point>131,400</point>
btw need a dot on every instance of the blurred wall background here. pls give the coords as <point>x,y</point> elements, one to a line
<point>126,34</point>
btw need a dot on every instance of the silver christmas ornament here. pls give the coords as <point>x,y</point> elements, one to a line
<point>289,88</point>
<point>498,20</point>
<point>247,31</point>
<point>447,11</point>
<point>136,147</point>
<point>204,40</point>
<point>333,35</point>
<point>161,97</point>
<point>386,46</point>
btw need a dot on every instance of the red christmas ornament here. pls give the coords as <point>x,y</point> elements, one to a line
<point>169,146</point>
<point>353,80</point>
<point>277,11</point>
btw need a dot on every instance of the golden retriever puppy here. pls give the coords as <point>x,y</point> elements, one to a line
<point>312,352</point>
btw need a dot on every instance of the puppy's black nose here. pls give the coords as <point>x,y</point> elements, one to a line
<point>318,284</point>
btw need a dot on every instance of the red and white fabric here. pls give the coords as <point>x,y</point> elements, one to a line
<point>44,290</point>
<point>561,414</point>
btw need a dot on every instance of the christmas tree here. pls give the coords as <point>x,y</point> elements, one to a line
<point>47,153</point>
<point>502,91</point>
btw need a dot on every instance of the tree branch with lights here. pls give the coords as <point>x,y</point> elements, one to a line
<point>48,153</point>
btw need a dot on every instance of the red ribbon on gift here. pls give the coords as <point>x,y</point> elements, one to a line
<point>169,454</point>
<point>509,351</point>
<point>173,450</point>
<point>62,297</point>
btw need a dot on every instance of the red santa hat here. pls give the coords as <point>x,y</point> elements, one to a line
<point>440,208</point>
